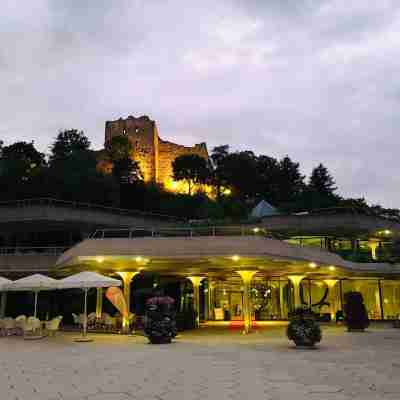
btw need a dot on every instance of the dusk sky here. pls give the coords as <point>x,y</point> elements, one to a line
<point>316,80</point>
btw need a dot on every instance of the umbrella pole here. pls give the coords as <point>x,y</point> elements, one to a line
<point>84,337</point>
<point>85,314</point>
<point>36,300</point>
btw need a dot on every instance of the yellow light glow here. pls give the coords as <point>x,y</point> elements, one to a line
<point>312,265</point>
<point>256,230</point>
<point>332,268</point>
<point>99,259</point>
<point>227,192</point>
<point>387,232</point>
<point>386,301</point>
<point>138,259</point>
<point>235,258</point>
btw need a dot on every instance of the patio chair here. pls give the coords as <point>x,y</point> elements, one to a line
<point>33,327</point>
<point>91,320</point>
<point>9,326</point>
<point>53,325</point>
<point>76,319</point>
<point>20,322</point>
<point>110,322</point>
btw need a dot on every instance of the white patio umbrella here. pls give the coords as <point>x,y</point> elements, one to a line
<point>33,283</point>
<point>4,282</point>
<point>86,280</point>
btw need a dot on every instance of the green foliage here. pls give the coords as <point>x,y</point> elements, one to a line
<point>356,316</point>
<point>120,154</point>
<point>303,329</point>
<point>21,162</point>
<point>321,181</point>
<point>192,169</point>
<point>68,143</point>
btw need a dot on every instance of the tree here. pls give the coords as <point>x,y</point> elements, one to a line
<point>120,154</point>
<point>291,181</point>
<point>192,169</point>
<point>322,182</point>
<point>238,171</point>
<point>268,178</point>
<point>21,161</point>
<point>218,155</point>
<point>68,143</point>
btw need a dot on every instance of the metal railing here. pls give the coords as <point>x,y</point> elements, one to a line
<point>32,250</point>
<point>136,232</point>
<point>86,206</point>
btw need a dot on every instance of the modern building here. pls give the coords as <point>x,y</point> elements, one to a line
<point>259,271</point>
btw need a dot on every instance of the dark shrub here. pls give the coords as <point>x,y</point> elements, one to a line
<point>303,328</point>
<point>160,325</point>
<point>356,316</point>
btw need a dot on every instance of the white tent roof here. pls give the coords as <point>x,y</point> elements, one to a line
<point>4,282</point>
<point>33,282</point>
<point>263,209</point>
<point>87,279</point>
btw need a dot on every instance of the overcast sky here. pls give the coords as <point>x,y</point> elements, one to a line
<point>317,80</point>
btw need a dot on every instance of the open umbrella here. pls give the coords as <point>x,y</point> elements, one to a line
<point>86,280</point>
<point>33,283</point>
<point>4,282</point>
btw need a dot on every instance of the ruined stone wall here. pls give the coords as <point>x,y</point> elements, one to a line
<point>154,155</point>
<point>142,133</point>
<point>169,151</point>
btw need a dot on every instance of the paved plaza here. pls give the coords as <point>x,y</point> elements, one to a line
<point>210,363</point>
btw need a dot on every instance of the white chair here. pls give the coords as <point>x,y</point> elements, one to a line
<point>33,327</point>
<point>20,322</point>
<point>76,319</point>
<point>9,326</point>
<point>110,322</point>
<point>53,325</point>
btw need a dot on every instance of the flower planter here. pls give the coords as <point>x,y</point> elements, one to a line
<point>160,325</point>
<point>303,329</point>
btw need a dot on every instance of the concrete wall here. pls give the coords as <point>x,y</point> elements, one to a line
<point>15,266</point>
<point>154,155</point>
<point>80,216</point>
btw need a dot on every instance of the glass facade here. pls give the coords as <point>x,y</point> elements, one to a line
<point>273,299</point>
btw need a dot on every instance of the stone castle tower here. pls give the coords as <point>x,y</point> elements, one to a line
<point>154,155</point>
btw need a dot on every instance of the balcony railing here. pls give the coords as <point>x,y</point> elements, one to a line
<point>132,233</point>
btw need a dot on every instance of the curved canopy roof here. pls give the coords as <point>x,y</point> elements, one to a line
<point>211,254</point>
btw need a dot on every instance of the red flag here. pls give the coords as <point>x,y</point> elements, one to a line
<point>117,298</point>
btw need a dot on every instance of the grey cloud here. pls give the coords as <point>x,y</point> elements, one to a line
<point>312,79</point>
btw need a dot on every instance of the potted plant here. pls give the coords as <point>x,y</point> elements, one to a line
<point>356,317</point>
<point>303,328</point>
<point>159,322</point>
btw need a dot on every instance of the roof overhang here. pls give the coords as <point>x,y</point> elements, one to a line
<point>211,255</point>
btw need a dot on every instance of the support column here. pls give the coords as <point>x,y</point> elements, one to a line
<point>196,280</point>
<point>3,305</point>
<point>282,299</point>
<point>127,279</point>
<point>373,245</point>
<point>331,285</point>
<point>296,280</point>
<point>99,302</point>
<point>211,299</point>
<point>246,277</point>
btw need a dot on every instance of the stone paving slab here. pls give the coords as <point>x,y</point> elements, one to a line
<point>205,364</point>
